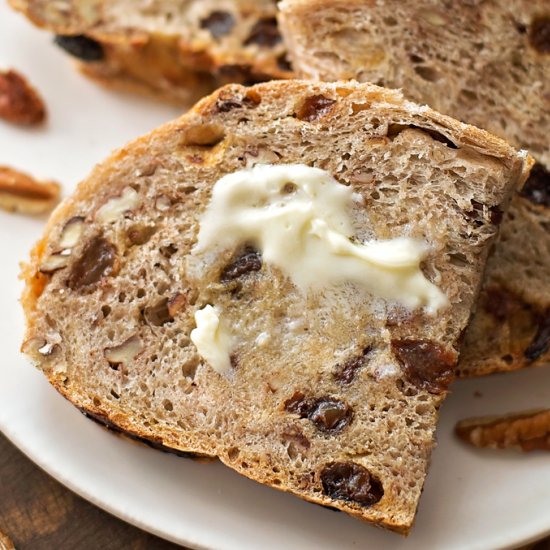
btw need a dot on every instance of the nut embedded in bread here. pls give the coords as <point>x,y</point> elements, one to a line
<point>328,391</point>
<point>488,64</point>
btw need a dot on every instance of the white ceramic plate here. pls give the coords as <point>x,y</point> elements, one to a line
<point>472,500</point>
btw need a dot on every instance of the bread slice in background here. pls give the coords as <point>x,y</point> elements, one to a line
<point>487,63</point>
<point>382,369</point>
<point>181,50</point>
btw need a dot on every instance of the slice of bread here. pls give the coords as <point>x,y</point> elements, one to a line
<point>332,393</point>
<point>181,50</point>
<point>487,63</point>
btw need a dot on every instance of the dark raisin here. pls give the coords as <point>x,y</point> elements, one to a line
<point>97,260</point>
<point>537,186</point>
<point>283,63</point>
<point>264,33</point>
<point>539,34</point>
<point>497,303</point>
<point>496,215</point>
<point>242,74</point>
<point>158,314</point>
<point>219,23</point>
<point>351,482</point>
<point>250,260</point>
<point>315,107</point>
<point>345,372</point>
<point>330,415</point>
<point>541,341</point>
<point>427,365</point>
<point>81,47</point>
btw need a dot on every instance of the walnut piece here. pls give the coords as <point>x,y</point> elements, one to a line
<point>125,352</point>
<point>20,192</point>
<point>20,103</point>
<point>528,431</point>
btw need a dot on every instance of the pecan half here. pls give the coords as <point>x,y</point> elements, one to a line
<point>20,103</point>
<point>528,431</point>
<point>20,192</point>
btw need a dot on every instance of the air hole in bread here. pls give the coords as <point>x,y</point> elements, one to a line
<point>395,129</point>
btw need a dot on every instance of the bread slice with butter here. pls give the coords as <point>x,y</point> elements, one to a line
<point>279,279</point>
<point>180,50</point>
<point>487,63</point>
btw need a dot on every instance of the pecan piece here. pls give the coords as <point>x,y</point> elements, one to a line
<point>20,103</point>
<point>528,431</point>
<point>19,192</point>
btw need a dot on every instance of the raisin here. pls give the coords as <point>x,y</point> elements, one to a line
<point>264,33</point>
<point>283,63</point>
<point>345,372</point>
<point>158,314</point>
<point>96,261</point>
<point>541,341</point>
<point>219,23</point>
<point>81,47</point>
<point>328,414</point>
<point>315,107</point>
<point>237,73</point>
<point>496,215</point>
<point>537,186</point>
<point>250,260</point>
<point>351,482</point>
<point>427,365</point>
<point>539,34</point>
<point>497,303</point>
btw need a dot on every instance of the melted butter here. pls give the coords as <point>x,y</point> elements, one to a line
<point>300,219</point>
<point>212,340</point>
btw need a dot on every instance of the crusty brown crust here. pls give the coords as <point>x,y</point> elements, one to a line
<point>197,138</point>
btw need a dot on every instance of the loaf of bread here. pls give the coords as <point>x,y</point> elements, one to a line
<point>329,391</point>
<point>486,63</point>
<point>181,50</point>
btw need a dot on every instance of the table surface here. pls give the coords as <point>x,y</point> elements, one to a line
<point>38,513</point>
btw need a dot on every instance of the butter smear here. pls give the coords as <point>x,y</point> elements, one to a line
<point>211,339</point>
<point>299,217</point>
